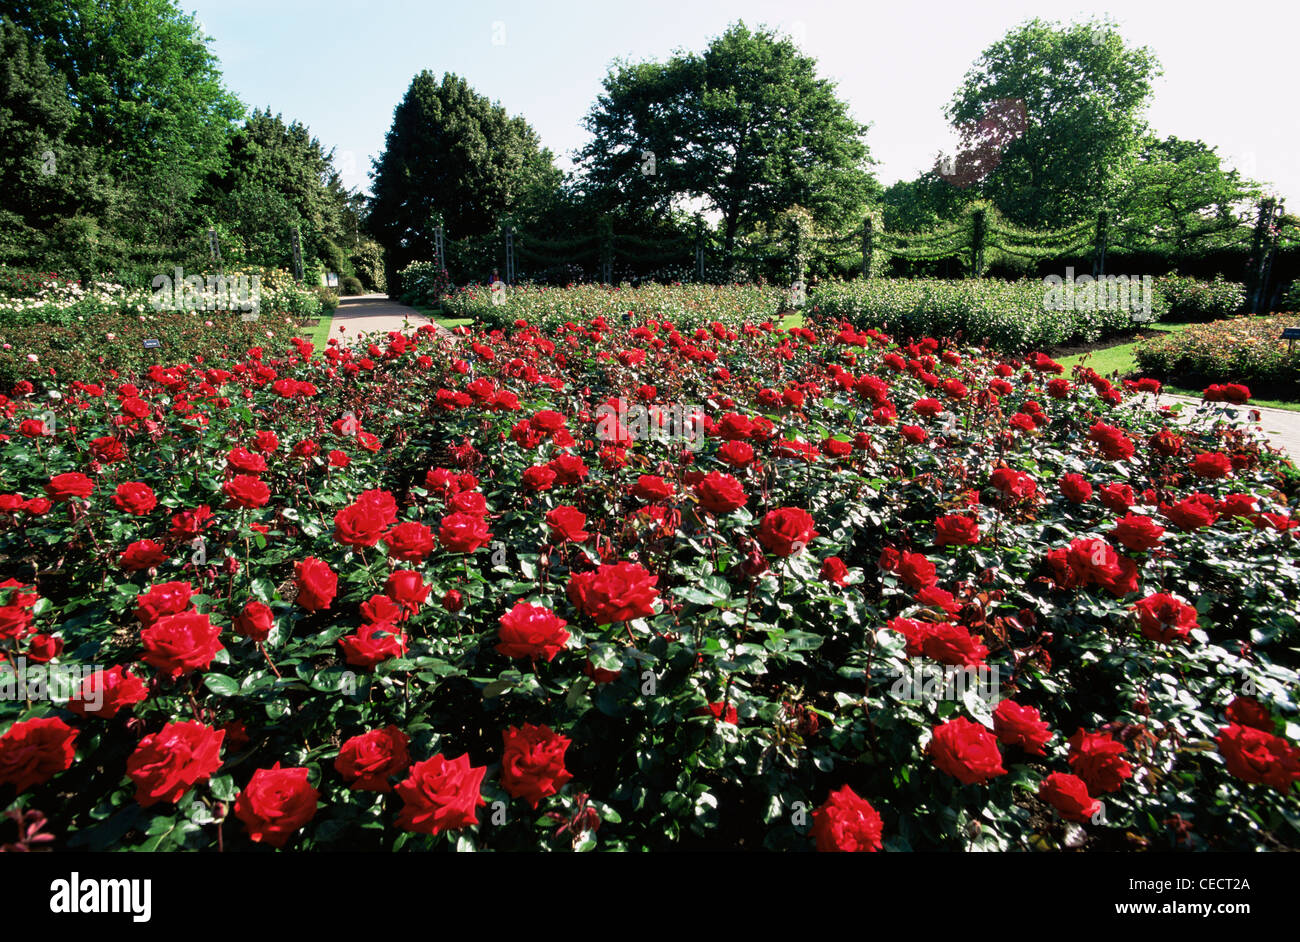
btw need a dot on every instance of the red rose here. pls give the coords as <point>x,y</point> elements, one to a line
<point>317,584</point>
<point>652,488</point>
<point>1017,725</point>
<point>107,693</point>
<point>359,524</point>
<point>173,760</point>
<point>954,645</point>
<point>569,469</point>
<point>367,761</point>
<point>407,589</point>
<point>1211,465</point>
<point>34,751</point>
<point>244,461</point>
<point>441,795</point>
<point>463,533</point>
<point>1117,497</point>
<point>1137,532</point>
<point>965,750</point>
<point>532,766</point>
<point>244,490</point>
<point>43,648</point>
<point>1114,444</point>
<point>453,601</point>
<point>1163,617</point>
<point>614,593</point>
<point>135,498</point>
<point>720,493</point>
<point>182,643</point>
<point>736,453</point>
<point>165,598</point>
<point>410,541</point>
<point>531,631</point>
<point>143,554</point>
<point>834,570</point>
<point>1068,794</point>
<point>956,531</point>
<point>373,644</point>
<point>469,502</point>
<point>1192,512</point>
<point>566,524</point>
<point>1254,756</point>
<point>1076,488</point>
<point>1095,758</point>
<point>786,531</point>
<point>1250,712</point>
<point>255,621</point>
<point>538,478</point>
<point>1012,484</point>
<point>67,486</point>
<point>720,711</point>
<point>915,570</point>
<point>845,822</point>
<point>275,803</point>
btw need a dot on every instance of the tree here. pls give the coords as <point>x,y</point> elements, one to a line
<point>278,177</point>
<point>1179,194</point>
<point>47,178</point>
<point>1084,92</point>
<point>746,126</point>
<point>452,155</point>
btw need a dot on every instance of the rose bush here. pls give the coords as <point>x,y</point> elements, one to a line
<point>415,594</point>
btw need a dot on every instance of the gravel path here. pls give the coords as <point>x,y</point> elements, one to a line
<point>369,313</point>
<point>1280,425</point>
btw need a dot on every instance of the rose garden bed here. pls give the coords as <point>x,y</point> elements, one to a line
<point>621,586</point>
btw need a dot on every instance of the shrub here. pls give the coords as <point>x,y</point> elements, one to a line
<point>424,284</point>
<point>1237,350</point>
<point>1190,299</point>
<point>352,285</point>
<point>685,306</point>
<point>1014,316</point>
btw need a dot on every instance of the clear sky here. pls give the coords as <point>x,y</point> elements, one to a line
<point>341,66</point>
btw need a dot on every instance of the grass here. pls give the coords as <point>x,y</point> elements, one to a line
<point>439,317</point>
<point>1119,359</point>
<point>320,334</point>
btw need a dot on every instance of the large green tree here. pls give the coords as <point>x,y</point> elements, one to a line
<point>452,154</point>
<point>1179,194</point>
<point>746,127</point>
<point>1083,92</point>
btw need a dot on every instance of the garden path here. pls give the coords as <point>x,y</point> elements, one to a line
<point>367,313</point>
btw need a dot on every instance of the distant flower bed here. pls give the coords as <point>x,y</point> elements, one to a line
<point>1237,350</point>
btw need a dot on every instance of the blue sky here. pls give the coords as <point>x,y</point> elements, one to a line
<point>341,66</point>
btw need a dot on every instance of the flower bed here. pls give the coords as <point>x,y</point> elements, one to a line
<point>688,306</point>
<point>1237,350</point>
<point>434,595</point>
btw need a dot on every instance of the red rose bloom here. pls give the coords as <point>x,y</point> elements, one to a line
<point>373,644</point>
<point>844,822</point>
<point>1116,497</point>
<point>463,533</point>
<point>244,490</point>
<point>1258,757</point>
<point>173,760</point>
<point>1192,512</point>
<point>720,493</point>
<point>407,589</point>
<point>965,750</point>
<point>915,570</point>
<point>359,524</point>
<point>410,541</point>
<point>275,803</point>
<point>107,693</point>
<point>142,554</point>
<point>1095,758</point>
<point>1164,618</point>
<point>531,631</point>
<point>1017,725</point>
<point>1137,532</point>
<point>34,751</point>
<point>834,570</point>
<point>1076,488</point>
<point>67,486</point>
<point>255,621</point>
<point>1248,711</point>
<point>538,478</point>
<point>366,762</point>
<point>956,531</point>
<point>532,766</point>
<point>1114,444</point>
<point>165,598</point>
<point>1211,465</point>
<point>566,524</point>
<point>614,593</point>
<point>786,531</point>
<point>179,644</point>
<point>954,645</point>
<point>1068,794</point>
<point>317,584</point>
<point>440,795</point>
<point>135,498</point>
<point>652,488</point>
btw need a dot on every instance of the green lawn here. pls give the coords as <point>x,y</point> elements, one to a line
<point>1119,359</point>
<point>439,317</point>
<point>320,334</point>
